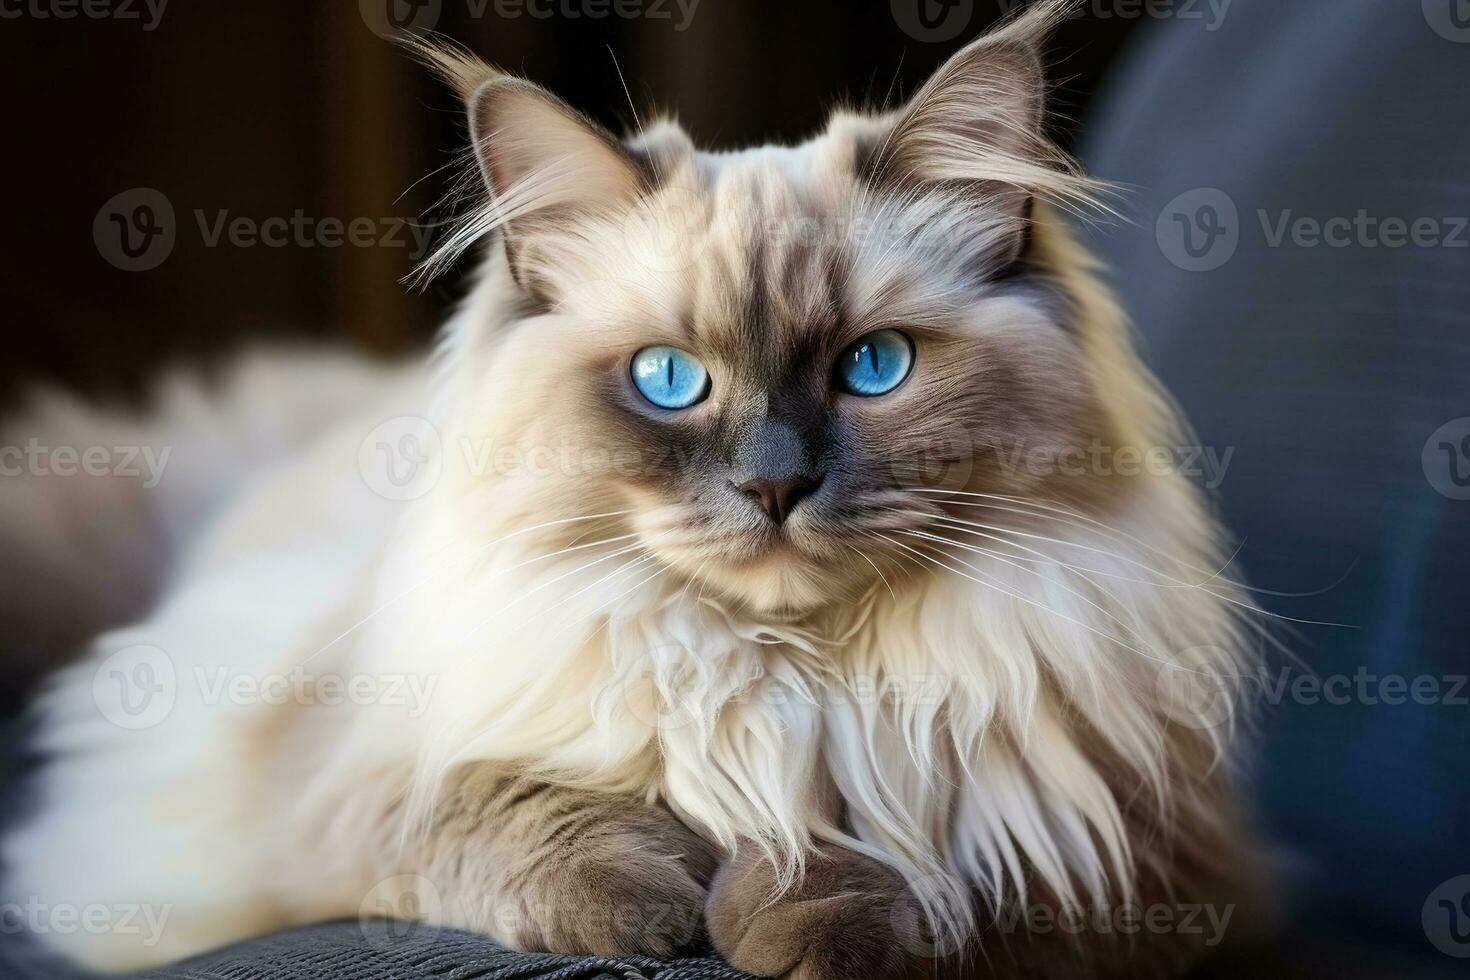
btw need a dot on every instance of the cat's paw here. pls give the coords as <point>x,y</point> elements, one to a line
<point>626,891</point>
<point>845,920</point>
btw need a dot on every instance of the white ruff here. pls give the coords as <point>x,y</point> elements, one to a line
<point>944,720</point>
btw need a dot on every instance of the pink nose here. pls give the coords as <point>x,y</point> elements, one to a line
<point>778,497</point>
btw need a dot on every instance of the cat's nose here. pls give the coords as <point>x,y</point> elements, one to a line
<point>777,497</point>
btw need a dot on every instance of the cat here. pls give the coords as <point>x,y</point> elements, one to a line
<point>770,573</point>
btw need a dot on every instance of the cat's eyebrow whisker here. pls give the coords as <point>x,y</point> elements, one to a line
<point>476,552</point>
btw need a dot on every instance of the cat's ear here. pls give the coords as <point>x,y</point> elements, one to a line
<point>977,126</point>
<point>536,152</point>
<point>544,163</point>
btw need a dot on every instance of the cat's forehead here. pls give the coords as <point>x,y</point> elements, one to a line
<point>782,248</point>
<point>773,258</point>
<point>775,246</point>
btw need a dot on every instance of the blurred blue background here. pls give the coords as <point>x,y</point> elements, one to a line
<point>1336,364</point>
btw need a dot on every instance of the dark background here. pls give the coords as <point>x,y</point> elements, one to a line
<point>265,107</point>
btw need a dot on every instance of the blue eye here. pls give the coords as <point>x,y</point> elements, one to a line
<point>876,364</point>
<point>669,377</point>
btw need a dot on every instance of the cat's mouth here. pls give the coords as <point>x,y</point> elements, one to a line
<point>805,560</point>
<point>787,568</point>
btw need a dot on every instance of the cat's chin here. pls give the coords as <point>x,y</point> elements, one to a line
<point>780,583</point>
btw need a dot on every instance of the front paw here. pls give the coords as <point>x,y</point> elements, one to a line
<point>623,908</point>
<point>559,869</point>
<point>848,918</point>
<point>620,896</point>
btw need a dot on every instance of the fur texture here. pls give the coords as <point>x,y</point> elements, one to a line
<point>943,681</point>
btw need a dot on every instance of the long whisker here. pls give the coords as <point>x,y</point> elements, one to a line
<point>628,566</point>
<point>969,527</point>
<point>522,596</point>
<point>1032,508</point>
<point>684,593</point>
<point>881,576</point>
<point>1045,578</point>
<point>1248,606</point>
<point>1047,609</point>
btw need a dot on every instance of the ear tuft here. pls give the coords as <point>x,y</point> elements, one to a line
<point>978,124</point>
<point>456,67</point>
<point>543,164</point>
<point>537,153</point>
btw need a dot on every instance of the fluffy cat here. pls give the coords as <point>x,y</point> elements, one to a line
<point>752,590</point>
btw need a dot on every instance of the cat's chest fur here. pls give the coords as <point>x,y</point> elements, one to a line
<point>924,725</point>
